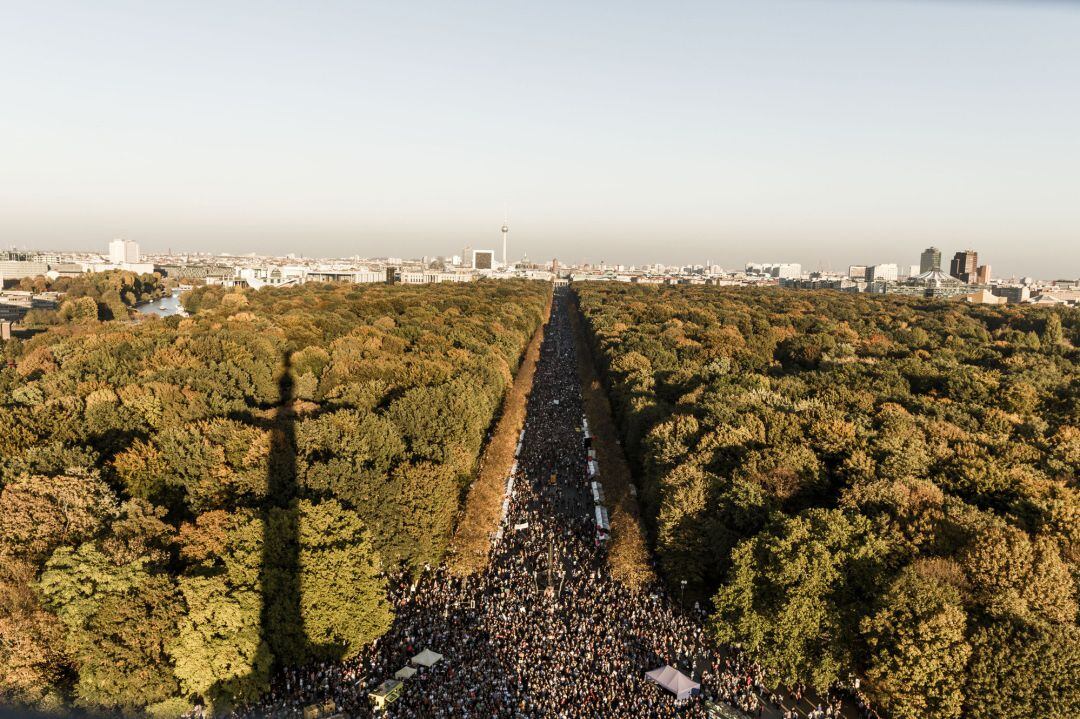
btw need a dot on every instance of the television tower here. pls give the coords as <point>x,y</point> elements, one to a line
<point>505,232</point>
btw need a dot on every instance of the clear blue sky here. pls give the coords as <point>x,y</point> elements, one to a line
<point>819,131</point>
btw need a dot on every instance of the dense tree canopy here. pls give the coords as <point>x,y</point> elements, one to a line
<point>93,296</point>
<point>877,486</point>
<point>185,502</point>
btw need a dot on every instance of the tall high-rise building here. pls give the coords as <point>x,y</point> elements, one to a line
<point>483,259</point>
<point>982,275</point>
<point>964,264</point>
<point>929,260</point>
<point>123,252</point>
<point>466,256</point>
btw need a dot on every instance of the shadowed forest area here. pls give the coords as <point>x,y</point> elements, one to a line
<point>188,503</point>
<point>865,487</point>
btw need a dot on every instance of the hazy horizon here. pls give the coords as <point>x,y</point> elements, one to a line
<point>825,132</point>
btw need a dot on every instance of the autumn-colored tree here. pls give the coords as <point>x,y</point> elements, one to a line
<point>219,651</point>
<point>288,505</point>
<point>793,593</point>
<point>120,608</point>
<point>1012,575</point>
<point>39,514</point>
<point>33,660</point>
<point>917,647</point>
<point>948,431</point>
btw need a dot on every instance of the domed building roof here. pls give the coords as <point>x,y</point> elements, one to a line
<point>936,277</point>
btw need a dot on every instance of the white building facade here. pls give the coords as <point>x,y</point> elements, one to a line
<point>124,252</point>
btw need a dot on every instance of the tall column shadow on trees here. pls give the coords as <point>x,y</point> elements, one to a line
<point>281,622</point>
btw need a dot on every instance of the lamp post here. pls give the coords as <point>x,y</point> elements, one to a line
<point>682,592</point>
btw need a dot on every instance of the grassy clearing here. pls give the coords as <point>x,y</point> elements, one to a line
<point>470,547</point>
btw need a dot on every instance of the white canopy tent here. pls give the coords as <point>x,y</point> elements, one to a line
<point>670,678</point>
<point>427,658</point>
<point>404,673</point>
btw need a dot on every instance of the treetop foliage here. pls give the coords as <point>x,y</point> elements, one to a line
<point>877,486</point>
<point>93,296</point>
<point>186,502</point>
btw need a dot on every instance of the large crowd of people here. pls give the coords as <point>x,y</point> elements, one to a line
<point>544,631</point>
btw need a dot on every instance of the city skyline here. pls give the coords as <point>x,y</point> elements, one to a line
<point>125,251</point>
<point>819,131</point>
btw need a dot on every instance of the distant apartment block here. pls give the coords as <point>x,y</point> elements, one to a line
<point>780,270</point>
<point>1014,295</point>
<point>124,252</point>
<point>887,272</point>
<point>19,269</point>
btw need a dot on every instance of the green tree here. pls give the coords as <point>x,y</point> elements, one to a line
<point>218,463</point>
<point>1052,334</point>
<point>343,595</point>
<point>917,647</point>
<point>793,596</point>
<point>1019,671</point>
<point>947,430</point>
<point>393,390</point>
<point>118,619</point>
<point>219,651</point>
<point>84,311</point>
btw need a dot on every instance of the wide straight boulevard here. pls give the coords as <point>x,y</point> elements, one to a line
<point>544,631</point>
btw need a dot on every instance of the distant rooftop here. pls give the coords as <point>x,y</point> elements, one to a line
<point>936,277</point>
